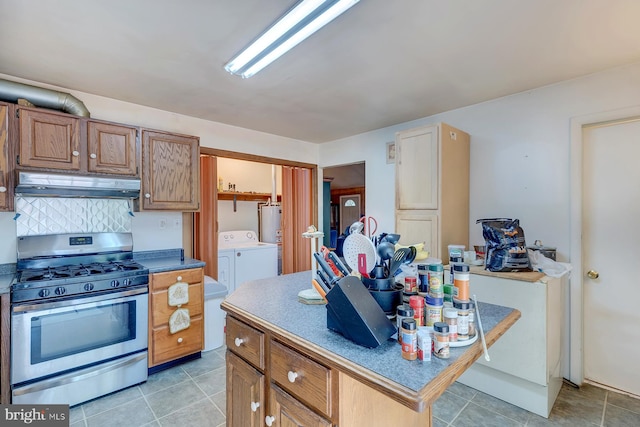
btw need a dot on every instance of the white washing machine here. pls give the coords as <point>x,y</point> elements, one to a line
<point>242,257</point>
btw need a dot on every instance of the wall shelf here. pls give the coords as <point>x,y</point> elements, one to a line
<point>245,197</point>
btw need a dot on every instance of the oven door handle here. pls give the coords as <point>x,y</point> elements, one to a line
<point>80,375</point>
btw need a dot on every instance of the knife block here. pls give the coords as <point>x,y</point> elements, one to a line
<point>352,312</point>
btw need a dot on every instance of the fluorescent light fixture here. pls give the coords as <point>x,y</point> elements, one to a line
<point>304,19</point>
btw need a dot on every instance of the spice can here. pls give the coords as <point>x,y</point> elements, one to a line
<point>436,278</point>
<point>453,261</point>
<point>451,319</point>
<point>411,284</point>
<point>416,302</point>
<point>461,281</point>
<point>441,340</point>
<point>402,312</point>
<point>463,319</point>
<point>409,339</point>
<point>472,320</point>
<point>433,310</point>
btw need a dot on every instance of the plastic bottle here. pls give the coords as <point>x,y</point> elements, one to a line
<point>453,261</point>
<point>436,280</point>
<point>441,340</point>
<point>409,339</point>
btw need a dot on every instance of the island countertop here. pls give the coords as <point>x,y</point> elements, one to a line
<point>274,304</point>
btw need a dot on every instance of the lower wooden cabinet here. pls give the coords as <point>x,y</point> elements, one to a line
<point>165,346</point>
<point>297,392</point>
<point>245,393</point>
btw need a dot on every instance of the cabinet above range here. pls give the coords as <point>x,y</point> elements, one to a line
<point>64,142</point>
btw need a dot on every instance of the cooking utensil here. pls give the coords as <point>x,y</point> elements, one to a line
<point>385,250</point>
<point>484,343</point>
<point>338,263</point>
<point>356,244</point>
<point>411,256</point>
<point>370,225</point>
<point>362,265</point>
<point>356,228</point>
<point>399,257</point>
<point>320,288</point>
<point>391,238</point>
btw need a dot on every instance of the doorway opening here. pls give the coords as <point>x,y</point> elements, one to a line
<point>344,188</point>
<point>232,203</point>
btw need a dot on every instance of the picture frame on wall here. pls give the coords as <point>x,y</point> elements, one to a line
<point>391,152</point>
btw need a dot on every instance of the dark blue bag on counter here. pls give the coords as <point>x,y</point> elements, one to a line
<point>506,246</point>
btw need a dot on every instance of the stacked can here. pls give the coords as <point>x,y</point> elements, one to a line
<point>461,302</point>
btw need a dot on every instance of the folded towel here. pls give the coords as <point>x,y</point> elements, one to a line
<point>178,294</point>
<point>179,320</point>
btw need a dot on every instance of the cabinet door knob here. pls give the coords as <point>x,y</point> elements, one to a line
<point>147,196</point>
<point>238,342</point>
<point>75,153</point>
<point>3,189</point>
<point>179,340</point>
<point>268,420</point>
<point>292,376</point>
<point>255,406</point>
<point>93,155</point>
<point>179,278</point>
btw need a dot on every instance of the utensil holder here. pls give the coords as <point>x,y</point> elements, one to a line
<point>352,312</point>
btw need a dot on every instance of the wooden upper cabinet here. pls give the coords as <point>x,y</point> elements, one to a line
<point>49,140</point>
<point>170,171</point>
<point>60,141</point>
<point>6,188</point>
<point>111,148</point>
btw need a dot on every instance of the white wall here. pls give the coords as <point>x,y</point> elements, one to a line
<point>147,233</point>
<point>520,152</point>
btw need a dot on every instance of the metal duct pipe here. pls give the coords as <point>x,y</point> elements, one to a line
<point>12,91</point>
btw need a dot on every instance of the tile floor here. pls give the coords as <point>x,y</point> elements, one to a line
<point>193,395</point>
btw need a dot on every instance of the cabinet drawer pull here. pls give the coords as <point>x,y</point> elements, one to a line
<point>75,153</point>
<point>147,196</point>
<point>255,406</point>
<point>292,376</point>
<point>268,420</point>
<point>179,279</point>
<point>93,156</point>
<point>179,340</point>
<point>3,189</point>
<point>238,342</point>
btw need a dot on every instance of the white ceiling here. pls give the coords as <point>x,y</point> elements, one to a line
<point>381,63</point>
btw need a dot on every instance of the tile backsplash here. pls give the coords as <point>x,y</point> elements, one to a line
<point>56,215</point>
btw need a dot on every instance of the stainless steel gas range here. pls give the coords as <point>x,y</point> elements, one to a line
<point>79,315</point>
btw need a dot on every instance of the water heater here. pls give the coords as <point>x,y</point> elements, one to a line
<point>270,227</point>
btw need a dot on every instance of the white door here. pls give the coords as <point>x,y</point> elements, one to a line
<point>349,210</point>
<point>610,239</point>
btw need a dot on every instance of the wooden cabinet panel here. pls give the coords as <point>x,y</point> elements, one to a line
<point>245,394</point>
<point>5,349</point>
<point>112,148</point>
<point>49,140</point>
<point>162,310</point>
<point>168,346</point>
<point>246,341</point>
<point>163,345</point>
<point>6,183</point>
<point>170,171</point>
<point>417,169</point>
<point>288,412</point>
<point>307,380</point>
<point>419,226</point>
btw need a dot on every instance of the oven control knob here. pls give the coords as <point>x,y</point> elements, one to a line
<point>60,291</point>
<point>115,283</point>
<point>44,293</point>
<point>88,286</point>
<point>126,282</point>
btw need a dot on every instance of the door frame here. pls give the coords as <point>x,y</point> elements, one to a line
<point>576,312</point>
<point>208,151</point>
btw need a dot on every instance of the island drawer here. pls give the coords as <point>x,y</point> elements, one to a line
<point>302,377</point>
<point>246,342</point>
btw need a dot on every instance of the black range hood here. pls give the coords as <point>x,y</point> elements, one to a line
<point>59,185</point>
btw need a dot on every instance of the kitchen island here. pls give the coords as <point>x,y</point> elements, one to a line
<point>283,362</point>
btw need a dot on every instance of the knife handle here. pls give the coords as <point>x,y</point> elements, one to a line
<point>338,263</point>
<point>324,279</point>
<point>319,288</point>
<point>327,269</point>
